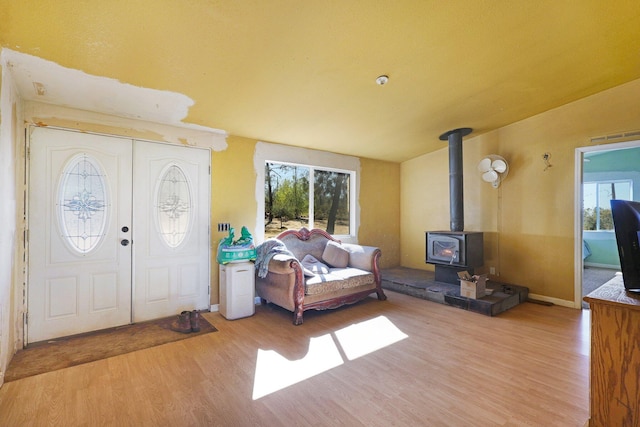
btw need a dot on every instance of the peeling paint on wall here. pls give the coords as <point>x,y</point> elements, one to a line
<point>10,239</point>
<point>45,82</point>
<point>51,115</point>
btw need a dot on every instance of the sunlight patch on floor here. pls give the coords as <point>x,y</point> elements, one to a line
<point>275,372</point>
<point>366,337</point>
<point>585,333</point>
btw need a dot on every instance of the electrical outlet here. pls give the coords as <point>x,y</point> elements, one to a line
<point>223,227</point>
<point>492,271</point>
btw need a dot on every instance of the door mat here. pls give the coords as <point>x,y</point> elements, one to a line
<point>60,353</point>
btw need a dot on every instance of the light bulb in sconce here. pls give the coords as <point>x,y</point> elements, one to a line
<point>546,157</point>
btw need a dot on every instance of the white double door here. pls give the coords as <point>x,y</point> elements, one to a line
<point>118,232</point>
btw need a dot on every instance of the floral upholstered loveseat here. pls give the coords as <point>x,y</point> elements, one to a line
<point>308,269</point>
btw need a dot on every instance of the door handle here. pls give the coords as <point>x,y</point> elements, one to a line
<point>124,242</point>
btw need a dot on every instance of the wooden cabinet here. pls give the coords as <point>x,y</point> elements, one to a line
<point>615,355</point>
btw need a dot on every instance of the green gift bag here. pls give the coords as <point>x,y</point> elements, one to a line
<point>239,250</point>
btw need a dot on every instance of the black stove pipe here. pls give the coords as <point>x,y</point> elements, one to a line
<point>456,192</point>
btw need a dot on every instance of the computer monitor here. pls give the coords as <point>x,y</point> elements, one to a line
<point>626,222</point>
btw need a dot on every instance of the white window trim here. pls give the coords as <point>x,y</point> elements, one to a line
<point>267,152</point>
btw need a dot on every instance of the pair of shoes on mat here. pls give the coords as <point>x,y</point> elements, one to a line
<point>188,321</point>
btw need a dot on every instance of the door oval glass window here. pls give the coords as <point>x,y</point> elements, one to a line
<point>83,203</point>
<point>173,206</point>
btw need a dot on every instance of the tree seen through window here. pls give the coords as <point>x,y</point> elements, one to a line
<point>597,196</point>
<point>301,196</point>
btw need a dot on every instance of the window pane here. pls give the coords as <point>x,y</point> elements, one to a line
<point>623,190</point>
<point>597,198</point>
<point>331,202</point>
<point>589,202</point>
<point>173,206</point>
<point>606,192</point>
<point>286,194</point>
<point>82,203</point>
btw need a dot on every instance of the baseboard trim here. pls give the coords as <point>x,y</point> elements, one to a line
<point>555,301</point>
<point>216,307</point>
<point>607,266</point>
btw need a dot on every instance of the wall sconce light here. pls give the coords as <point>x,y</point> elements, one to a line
<point>546,157</point>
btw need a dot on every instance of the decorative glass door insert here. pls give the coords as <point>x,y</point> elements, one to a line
<point>173,206</point>
<point>83,202</point>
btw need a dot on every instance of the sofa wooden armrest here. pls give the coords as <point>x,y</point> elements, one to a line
<point>287,286</point>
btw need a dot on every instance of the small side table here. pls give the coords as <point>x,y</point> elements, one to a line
<point>237,290</point>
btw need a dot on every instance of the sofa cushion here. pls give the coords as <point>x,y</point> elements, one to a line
<point>337,279</point>
<point>335,255</point>
<point>351,273</point>
<point>313,266</point>
<point>314,246</point>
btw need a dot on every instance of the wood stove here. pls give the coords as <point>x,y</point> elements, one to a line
<point>456,250</point>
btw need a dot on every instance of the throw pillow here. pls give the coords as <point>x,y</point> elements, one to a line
<point>311,263</point>
<point>335,255</point>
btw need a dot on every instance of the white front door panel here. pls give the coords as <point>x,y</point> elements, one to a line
<point>79,200</point>
<point>118,232</point>
<point>171,222</point>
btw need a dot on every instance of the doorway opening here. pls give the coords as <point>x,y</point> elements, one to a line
<point>603,173</point>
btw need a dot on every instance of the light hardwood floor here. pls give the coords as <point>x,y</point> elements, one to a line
<point>436,366</point>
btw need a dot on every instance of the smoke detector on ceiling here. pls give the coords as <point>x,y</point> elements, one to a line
<point>382,80</point>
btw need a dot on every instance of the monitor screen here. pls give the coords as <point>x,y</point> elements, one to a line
<point>626,222</point>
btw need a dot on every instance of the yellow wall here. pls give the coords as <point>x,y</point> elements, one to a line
<point>233,200</point>
<point>233,188</point>
<point>529,221</point>
<point>232,195</point>
<point>380,209</point>
<point>425,199</point>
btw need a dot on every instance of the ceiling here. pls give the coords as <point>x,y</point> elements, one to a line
<point>304,73</point>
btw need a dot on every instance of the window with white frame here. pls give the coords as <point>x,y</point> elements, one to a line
<point>298,196</point>
<point>596,209</point>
